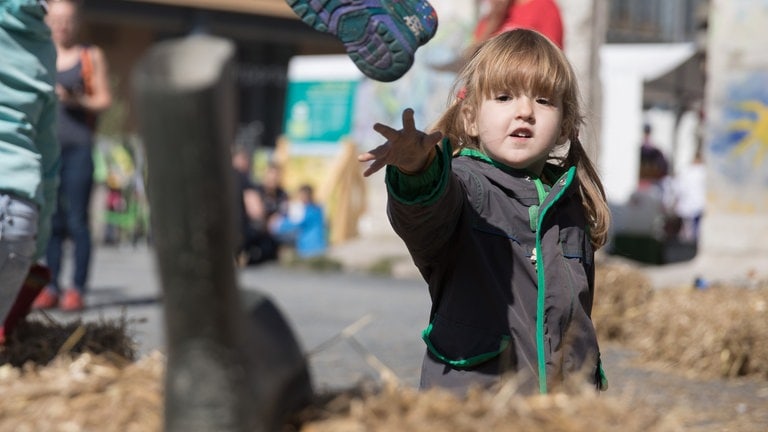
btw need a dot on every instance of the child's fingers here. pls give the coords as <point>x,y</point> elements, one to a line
<point>381,156</point>
<point>372,168</point>
<point>377,153</point>
<point>365,157</point>
<point>386,131</point>
<point>408,122</point>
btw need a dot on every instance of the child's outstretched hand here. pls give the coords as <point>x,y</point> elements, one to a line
<point>409,149</point>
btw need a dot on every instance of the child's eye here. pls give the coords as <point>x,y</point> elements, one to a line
<point>543,101</point>
<point>503,98</point>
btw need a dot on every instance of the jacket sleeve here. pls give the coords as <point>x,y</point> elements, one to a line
<point>50,164</point>
<point>425,208</point>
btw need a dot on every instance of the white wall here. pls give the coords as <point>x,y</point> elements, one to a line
<point>624,69</point>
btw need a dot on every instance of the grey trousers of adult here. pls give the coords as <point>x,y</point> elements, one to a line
<point>18,232</point>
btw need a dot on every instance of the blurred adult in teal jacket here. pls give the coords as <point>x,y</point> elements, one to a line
<point>29,151</point>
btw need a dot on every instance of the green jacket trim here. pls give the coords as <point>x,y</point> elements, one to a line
<point>542,285</point>
<point>533,211</point>
<point>467,362</point>
<point>423,188</point>
<point>602,378</point>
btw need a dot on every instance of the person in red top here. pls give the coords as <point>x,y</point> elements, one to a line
<point>498,16</point>
<point>503,15</point>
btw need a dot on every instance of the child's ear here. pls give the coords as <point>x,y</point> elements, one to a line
<point>469,118</point>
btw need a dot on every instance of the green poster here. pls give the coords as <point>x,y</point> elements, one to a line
<point>319,112</point>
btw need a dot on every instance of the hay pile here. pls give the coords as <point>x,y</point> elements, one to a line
<point>78,376</point>
<point>63,386</point>
<point>406,410</point>
<point>92,393</point>
<point>85,393</point>
<point>717,332</point>
<point>40,341</point>
<point>622,294</point>
<point>83,376</point>
<point>720,331</point>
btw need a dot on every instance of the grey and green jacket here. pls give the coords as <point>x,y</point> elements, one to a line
<point>509,265</point>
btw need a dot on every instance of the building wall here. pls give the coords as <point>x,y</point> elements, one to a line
<point>585,23</point>
<point>654,21</point>
<point>277,8</point>
<point>736,218</point>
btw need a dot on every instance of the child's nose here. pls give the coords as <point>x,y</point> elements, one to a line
<point>524,108</point>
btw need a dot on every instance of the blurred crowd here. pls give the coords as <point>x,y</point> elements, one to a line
<point>680,197</point>
<point>270,219</point>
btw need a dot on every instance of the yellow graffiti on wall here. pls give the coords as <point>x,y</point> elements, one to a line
<point>756,130</point>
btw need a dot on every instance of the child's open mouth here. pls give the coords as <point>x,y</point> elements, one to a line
<point>522,133</point>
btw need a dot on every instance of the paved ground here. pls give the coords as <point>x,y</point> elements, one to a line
<point>125,283</point>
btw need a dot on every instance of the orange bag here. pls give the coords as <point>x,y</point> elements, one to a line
<point>86,66</point>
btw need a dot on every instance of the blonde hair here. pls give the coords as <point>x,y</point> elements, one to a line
<point>526,62</point>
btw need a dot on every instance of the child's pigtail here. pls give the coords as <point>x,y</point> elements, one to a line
<point>592,192</point>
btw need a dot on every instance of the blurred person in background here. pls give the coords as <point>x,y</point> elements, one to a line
<point>691,197</point>
<point>83,90</point>
<point>272,192</point>
<point>498,16</point>
<point>656,183</point>
<point>653,163</point>
<point>29,155</point>
<point>304,227</point>
<point>255,243</point>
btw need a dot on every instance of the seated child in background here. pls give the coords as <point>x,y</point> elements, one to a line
<point>304,227</point>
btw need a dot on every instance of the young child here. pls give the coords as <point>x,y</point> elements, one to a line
<point>502,220</point>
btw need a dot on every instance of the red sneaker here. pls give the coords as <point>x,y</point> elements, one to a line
<point>46,300</point>
<point>72,301</point>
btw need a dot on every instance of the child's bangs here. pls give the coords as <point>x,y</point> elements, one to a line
<point>525,70</point>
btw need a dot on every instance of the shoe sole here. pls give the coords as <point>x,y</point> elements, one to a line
<point>380,46</point>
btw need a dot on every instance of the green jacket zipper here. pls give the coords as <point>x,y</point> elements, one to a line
<point>565,180</point>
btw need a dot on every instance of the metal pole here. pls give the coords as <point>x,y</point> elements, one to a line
<point>217,355</point>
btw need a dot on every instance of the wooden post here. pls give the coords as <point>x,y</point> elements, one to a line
<point>216,373</point>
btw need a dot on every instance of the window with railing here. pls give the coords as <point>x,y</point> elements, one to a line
<point>655,20</point>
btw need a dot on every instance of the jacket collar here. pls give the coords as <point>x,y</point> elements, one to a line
<point>554,174</point>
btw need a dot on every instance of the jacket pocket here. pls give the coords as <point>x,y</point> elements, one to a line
<point>462,346</point>
<point>573,241</point>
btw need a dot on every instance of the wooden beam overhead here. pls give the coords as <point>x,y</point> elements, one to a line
<point>273,8</point>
